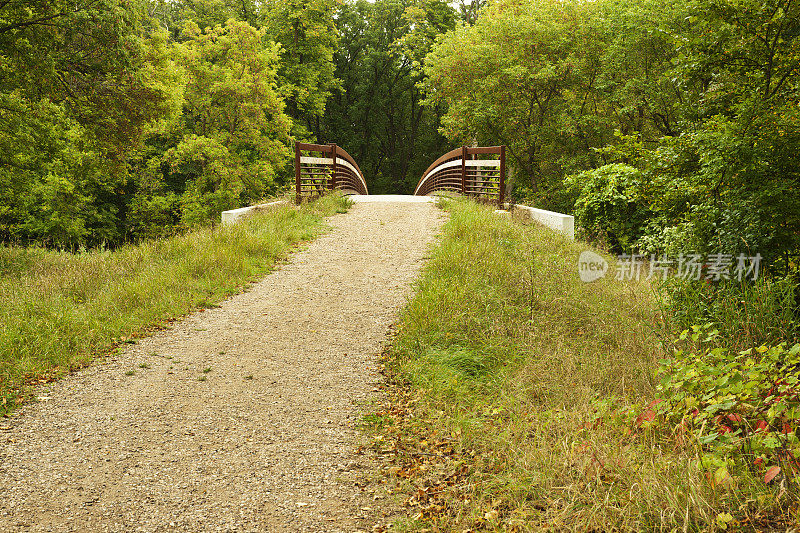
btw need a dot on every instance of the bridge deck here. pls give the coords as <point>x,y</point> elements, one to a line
<point>403,198</point>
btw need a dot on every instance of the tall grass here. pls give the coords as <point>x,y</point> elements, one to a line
<point>529,376</point>
<point>746,313</point>
<point>59,311</point>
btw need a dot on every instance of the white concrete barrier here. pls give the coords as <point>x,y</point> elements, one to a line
<point>503,213</point>
<point>230,217</point>
<point>560,222</point>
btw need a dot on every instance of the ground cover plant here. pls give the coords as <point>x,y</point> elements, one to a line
<point>522,399</point>
<point>59,310</point>
<point>741,409</point>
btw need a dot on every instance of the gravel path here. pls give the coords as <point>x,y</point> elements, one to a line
<point>240,418</point>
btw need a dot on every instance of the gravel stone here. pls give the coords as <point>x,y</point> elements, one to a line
<point>161,450</point>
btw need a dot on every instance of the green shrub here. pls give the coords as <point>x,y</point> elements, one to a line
<point>741,409</point>
<point>609,206</point>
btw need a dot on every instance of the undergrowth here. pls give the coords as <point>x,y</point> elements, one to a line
<point>59,310</point>
<point>523,399</point>
<point>739,410</point>
<point>746,313</point>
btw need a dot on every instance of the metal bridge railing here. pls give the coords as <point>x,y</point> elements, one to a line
<point>470,171</point>
<point>325,167</point>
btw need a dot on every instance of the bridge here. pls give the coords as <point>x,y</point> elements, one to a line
<point>325,167</point>
<point>476,172</point>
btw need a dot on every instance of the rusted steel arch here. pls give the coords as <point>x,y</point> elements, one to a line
<point>326,167</point>
<point>444,174</point>
<point>462,171</point>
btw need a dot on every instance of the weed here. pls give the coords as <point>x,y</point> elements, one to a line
<point>741,411</point>
<point>372,421</point>
<point>206,370</point>
<point>130,372</point>
<point>144,365</point>
<point>201,378</point>
<point>745,313</point>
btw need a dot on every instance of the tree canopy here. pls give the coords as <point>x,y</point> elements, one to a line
<point>661,124</point>
<point>699,98</point>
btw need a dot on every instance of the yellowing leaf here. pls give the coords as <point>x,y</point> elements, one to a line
<point>723,519</point>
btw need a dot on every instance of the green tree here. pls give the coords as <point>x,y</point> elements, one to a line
<point>378,115</point>
<point>731,173</point>
<point>74,97</point>
<point>700,97</point>
<point>232,136</point>
<point>306,31</point>
<point>643,97</point>
<point>523,76</point>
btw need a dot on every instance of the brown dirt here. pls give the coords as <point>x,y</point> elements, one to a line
<point>267,441</point>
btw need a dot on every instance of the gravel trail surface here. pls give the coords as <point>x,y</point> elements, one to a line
<point>239,418</point>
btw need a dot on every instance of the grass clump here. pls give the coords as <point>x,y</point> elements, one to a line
<point>746,313</point>
<point>59,310</point>
<point>522,398</point>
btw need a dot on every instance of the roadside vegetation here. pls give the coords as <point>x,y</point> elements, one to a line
<point>663,126</point>
<point>666,127</point>
<point>59,311</point>
<point>523,399</point>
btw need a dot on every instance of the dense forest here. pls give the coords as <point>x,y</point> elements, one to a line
<point>662,125</point>
<point>131,119</point>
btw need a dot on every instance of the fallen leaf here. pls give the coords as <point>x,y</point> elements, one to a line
<point>771,473</point>
<point>723,519</point>
<point>723,477</point>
